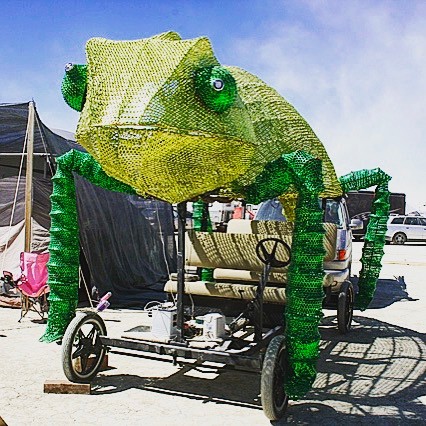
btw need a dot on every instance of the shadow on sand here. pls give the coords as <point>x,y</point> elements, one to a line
<point>387,292</point>
<point>374,374</point>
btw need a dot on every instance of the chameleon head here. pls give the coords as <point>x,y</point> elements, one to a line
<point>161,114</point>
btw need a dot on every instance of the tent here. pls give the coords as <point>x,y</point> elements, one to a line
<point>127,242</point>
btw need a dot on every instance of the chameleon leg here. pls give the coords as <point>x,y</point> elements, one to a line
<point>372,251</point>
<point>304,289</point>
<point>64,241</point>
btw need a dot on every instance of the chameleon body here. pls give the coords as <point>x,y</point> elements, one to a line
<point>163,118</point>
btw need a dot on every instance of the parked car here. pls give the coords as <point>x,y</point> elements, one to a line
<point>403,228</point>
<point>335,211</point>
<point>359,205</point>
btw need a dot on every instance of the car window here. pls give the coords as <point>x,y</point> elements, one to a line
<point>398,221</point>
<point>271,210</point>
<point>333,213</point>
<point>411,221</point>
<point>422,221</point>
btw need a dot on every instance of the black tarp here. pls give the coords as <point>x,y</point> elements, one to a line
<point>127,241</point>
<point>13,127</point>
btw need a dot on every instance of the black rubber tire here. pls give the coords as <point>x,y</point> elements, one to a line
<point>345,307</point>
<point>399,238</point>
<point>88,344</point>
<point>274,399</point>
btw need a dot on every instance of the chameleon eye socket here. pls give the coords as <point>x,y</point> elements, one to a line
<point>74,85</point>
<point>216,87</point>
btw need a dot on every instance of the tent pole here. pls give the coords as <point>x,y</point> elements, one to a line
<point>29,177</point>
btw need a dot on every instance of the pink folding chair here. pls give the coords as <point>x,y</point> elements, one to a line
<point>33,283</point>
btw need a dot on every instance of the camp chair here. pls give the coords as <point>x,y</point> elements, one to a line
<point>32,285</point>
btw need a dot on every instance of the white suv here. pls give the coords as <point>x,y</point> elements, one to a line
<point>406,228</point>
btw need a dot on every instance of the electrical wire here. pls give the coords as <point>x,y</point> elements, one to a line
<point>44,146</point>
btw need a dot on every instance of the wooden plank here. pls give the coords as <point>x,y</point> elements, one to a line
<point>66,387</point>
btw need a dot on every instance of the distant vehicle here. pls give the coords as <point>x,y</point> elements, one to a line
<point>403,228</point>
<point>334,212</point>
<point>359,207</point>
<point>189,219</point>
<point>221,214</point>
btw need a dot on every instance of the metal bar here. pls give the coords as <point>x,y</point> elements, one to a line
<point>20,154</point>
<point>181,210</point>
<point>249,356</point>
<point>29,177</point>
<point>236,358</point>
<point>258,303</point>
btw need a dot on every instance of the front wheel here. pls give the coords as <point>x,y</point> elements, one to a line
<point>274,398</point>
<point>345,307</point>
<point>399,238</point>
<point>82,350</point>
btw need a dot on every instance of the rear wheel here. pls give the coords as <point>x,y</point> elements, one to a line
<point>82,349</point>
<point>345,307</point>
<point>274,398</point>
<point>399,238</point>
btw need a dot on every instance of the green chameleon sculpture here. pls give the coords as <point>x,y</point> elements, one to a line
<point>161,117</point>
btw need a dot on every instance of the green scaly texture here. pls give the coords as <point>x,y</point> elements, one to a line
<point>304,289</point>
<point>202,223</point>
<point>374,239</point>
<point>64,245</point>
<point>74,86</point>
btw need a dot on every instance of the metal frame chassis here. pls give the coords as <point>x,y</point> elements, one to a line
<point>249,356</point>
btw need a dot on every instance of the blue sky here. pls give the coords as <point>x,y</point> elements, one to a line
<point>356,70</point>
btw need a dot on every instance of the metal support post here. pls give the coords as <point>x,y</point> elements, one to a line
<point>181,209</point>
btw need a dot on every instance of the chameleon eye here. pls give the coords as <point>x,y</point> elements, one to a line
<point>218,84</point>
<point>216,87</point>
<point>74,85</point>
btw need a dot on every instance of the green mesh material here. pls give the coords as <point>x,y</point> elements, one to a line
<point>374,239</point>
<point>216,87</point>
<point>304,293</point>
<point>279,129</point>
<point>146,123</point>
<point>304,290</point>
<point>161,122</point>
<point>74,86</point>
<point>64,245</point>
<point>156,118</point>
<point>202,222</point>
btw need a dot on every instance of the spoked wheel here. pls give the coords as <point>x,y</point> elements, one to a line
<point>345,307</point>
<point>82,349</point>
<point>274,398</point>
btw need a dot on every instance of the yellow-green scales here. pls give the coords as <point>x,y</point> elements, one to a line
<point>163,118</point>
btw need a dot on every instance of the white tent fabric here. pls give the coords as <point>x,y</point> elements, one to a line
<point>13,238</point>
